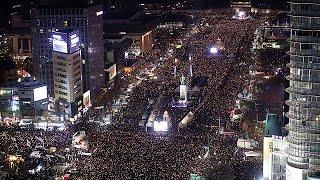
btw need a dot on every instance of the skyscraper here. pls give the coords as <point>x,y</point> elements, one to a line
<point>304,91</point>
<point>67,72</point>
<point>54,16</point>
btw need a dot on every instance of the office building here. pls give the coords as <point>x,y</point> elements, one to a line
<point>115,47</point>
<point>67,72</point>
<point>20,44</point>
<point>304,107</point>
<point>274,146</point>
<point>9,102</point>
<point>57,15</point>
<point>140,28</point>
<point>33,98</point>
<point>274,157</point>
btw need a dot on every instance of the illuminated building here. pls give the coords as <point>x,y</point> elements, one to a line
<point>20,43</point>
<point>140,28</point>
<point>67,71</point>
<point>304,91</point>
<point>9,102</point>
<point>57,15</point>
<point>115,47</point>
<point>274,158</point>
<point>33,98</point>
<point>274,145</point>
<point>241,5</point>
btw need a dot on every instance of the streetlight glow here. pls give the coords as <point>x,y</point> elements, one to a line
<point>213,50</point>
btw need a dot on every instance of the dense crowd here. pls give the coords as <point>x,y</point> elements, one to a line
<point>123,151</point>
<point>30,147</point>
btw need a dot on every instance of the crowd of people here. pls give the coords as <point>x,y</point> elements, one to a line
<point>123,151</point>
<point>22,150</point>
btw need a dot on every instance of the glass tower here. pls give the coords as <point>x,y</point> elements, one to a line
<point>304,91</point>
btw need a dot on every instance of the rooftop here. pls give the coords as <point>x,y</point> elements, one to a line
<point>65,4</point>
<point>136,24</point>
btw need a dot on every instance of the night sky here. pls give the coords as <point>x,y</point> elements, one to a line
<point>198,4</point>
<point>4,12</point>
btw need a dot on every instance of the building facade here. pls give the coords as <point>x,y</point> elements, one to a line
<point>274,157</point>
<point>33,98</point>
<point>67,72</point>
<point>21,47</point>
<point>304,91</point>
<point>9,102</point>
<point>88,20</point>
<point>25,98</point>
<point>241,5</point>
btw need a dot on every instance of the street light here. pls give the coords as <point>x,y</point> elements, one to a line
<point>213,50</point>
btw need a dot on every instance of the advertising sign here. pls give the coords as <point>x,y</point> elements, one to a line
<point>59,44</point>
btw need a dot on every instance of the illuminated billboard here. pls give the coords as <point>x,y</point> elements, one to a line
<point>40,93</point>
<point>74,42</point>
<point>86,99</point>
<point>161,126</point>
<point>112,71</point>
<point>59,44</point>
<point>66,41</point>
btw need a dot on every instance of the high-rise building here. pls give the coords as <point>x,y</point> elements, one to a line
<point>304,91</point>
<point>87,18</point>
<point>67,72</point>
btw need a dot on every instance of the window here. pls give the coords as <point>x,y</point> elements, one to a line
<point>61,75</point>
<point>75,56</point>
<point>306,46</point>
<point>61,57</point>
<point>61,64</point>
<point>305,7</point>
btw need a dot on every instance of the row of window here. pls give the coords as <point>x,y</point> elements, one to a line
<point>61,81</point>
<point>64,99</point>
<point>61,57</point>
<point>303,147</point>
<point>305,46</point>
<point>76,56</point>
<point>77,80</point>
<point>300,97</point>
<point>62,87</point>
<point>76,69</point>
<point>61,70</point>
<point>63,93</point>
<point>306,59</point>
<point>61,63</point>
<point>305,7</point>
<point>305,74</point>
<point>308,33</point>
<point>315,21</point>
<point>67,22</point>
<point>304,136</point>
<point>303,111</point>
<point>61,75</point>
<point>60,11</point>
